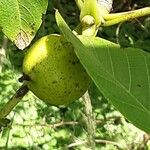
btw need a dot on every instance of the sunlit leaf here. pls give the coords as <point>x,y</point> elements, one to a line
<point>20,19</point>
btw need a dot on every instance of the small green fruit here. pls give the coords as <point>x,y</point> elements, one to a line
<point>56,75</point>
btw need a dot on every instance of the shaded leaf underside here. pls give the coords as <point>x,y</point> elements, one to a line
<point>121,74</point>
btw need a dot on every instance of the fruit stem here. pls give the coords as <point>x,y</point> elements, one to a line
<point>112,19</point>
<point>90,120</point>
<point>7,108</point>
<point>24,78</point>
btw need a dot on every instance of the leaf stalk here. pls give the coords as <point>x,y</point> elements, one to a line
<point>115,18</point>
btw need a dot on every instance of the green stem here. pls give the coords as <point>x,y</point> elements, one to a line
<point>111,19</point>
<point>8,134</point>
<point>79,3</point>
<point>91,15</point>
<point>7,108</point>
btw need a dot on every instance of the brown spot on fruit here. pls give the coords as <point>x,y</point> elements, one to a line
<point>61,81</point>
<point>54,82</point>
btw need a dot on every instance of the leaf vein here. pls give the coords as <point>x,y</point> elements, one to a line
<point>118,83</point>
<point>26,9</point>
<point>129,71</point>
<point>148,77</point>
<point>111,62</point>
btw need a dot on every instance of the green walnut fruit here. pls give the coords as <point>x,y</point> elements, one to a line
<point>54,72</point>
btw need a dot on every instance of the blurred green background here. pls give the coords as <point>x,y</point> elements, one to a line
<point>37,126</point>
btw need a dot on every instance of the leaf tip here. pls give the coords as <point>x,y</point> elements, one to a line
<point>22,40</point>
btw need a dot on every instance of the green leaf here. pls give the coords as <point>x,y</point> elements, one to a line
<point>121,74</point>
<point>20,19</point>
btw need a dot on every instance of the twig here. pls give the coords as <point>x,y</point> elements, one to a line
<point>89,120</point>
<point>64,123</point>
<point>107,142</point>
<point>78,143</point>
<point>8,136</point>
<point>7,108</point>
